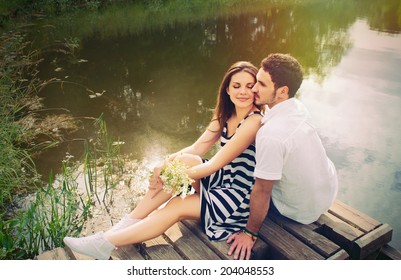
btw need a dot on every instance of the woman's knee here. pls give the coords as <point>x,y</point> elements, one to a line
<point>184,208</point>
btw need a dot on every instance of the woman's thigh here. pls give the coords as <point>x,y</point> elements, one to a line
<point>185,207</point>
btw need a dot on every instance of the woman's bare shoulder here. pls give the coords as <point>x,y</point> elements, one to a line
<point>256,117</point>
<point>251,124</point>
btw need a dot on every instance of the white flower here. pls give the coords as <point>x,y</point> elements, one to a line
<point>174,178</point>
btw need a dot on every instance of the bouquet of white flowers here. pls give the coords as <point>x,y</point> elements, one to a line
<point>174,178</point>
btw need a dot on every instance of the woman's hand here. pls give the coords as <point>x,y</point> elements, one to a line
<point>155,182</point>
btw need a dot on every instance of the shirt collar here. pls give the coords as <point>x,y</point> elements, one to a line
<point>284,107</point>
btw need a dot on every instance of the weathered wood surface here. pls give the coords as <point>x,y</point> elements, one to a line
<point>339,234</point>
<point>355,232</point>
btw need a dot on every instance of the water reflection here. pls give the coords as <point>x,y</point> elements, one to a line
<point>357,108</point>
<point>159,81</point>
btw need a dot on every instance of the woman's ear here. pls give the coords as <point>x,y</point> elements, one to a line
<point>227,91</point>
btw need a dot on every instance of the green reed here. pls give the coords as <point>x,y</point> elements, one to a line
<point>17,82</point>
<point>103,159</point>
<point>56,210</point>
<point>61,207</point>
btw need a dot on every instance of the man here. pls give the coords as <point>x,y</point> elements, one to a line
<point>293,174</point>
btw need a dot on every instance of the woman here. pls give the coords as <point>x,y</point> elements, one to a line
<point>222,185</point>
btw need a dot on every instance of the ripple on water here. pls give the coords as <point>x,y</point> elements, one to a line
<point>397,181</point>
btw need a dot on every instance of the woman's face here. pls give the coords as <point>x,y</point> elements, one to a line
<point>239,89</point>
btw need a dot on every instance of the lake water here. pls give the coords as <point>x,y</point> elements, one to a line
<point>159,74</point>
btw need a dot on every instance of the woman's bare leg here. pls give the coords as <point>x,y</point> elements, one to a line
<point>154,225</point>
<point>150,224</point>
<point>148,204</point>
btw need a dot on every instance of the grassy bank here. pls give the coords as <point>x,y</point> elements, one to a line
<point>22,234</point>
<point>18,86</point>
<point>35,214</point>
<point>85,191</point>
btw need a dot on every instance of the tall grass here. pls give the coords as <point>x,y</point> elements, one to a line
<point>55,212</point>
<point>59,207</point>
<point>102,161</point>
<point>19,122</point>
<point>17,82</point>
<point>62,206</point>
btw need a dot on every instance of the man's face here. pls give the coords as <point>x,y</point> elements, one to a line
<point>264,89</point>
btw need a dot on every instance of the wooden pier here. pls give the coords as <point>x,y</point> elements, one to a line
<point>341,233</point>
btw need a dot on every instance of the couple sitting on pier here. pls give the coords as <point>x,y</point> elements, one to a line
<point>271,159</point>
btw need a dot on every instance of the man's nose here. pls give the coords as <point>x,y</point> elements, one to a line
<point>254,89</point>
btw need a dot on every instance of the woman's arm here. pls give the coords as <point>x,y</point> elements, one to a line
<point>204,142</point>
<point>200,147</point>
<point>243,137</point>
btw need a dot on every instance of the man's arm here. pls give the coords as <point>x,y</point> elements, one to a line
<point>242,243</point>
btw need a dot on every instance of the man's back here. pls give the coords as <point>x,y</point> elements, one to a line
<point>290,152</point>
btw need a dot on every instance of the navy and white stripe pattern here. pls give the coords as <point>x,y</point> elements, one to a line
<point>225,195</point>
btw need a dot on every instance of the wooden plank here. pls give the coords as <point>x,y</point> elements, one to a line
<point>130,252</point>
<point>76,256</point>
<point>371,242</point>
<point>284,245</point>
<point>307,234</point>
<point>353,217</point>
<point>349,231</point>
<point>188,244</point>
<point>340,255</point>
<point>219,247</point>
<point>260,250</point>
<point>338,231</point>
<point>122,253</point>
<point>55,254</point>
<point>159,249</point>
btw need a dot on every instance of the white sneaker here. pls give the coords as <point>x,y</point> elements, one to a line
<point>125,222</point>
<point>95,246</point>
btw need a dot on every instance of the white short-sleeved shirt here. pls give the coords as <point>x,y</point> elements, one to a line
<point>289,151</point>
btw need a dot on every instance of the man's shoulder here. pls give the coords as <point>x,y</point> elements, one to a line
<point>279,127</point>
<point>272,134</point>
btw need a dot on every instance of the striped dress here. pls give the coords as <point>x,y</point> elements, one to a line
<point>225,194</point>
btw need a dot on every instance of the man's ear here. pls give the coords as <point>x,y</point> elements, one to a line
<point>283,92</point>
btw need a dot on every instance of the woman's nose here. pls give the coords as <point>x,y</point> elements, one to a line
<point>244,90</point>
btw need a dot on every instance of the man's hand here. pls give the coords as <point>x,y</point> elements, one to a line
<point>242,245</point>
<point>155,182</point>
